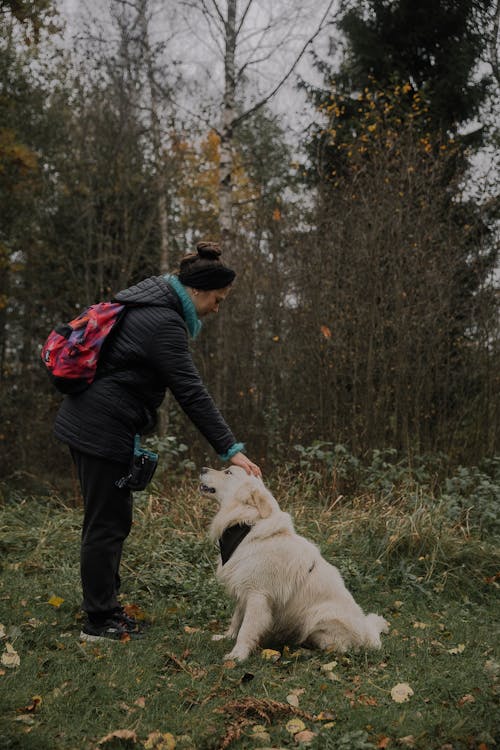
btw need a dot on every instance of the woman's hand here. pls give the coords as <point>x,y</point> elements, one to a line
<point>239,459</point>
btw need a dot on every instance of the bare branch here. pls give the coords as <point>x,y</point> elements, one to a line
<point>494,43</point>
<point>269,96</point>
<point>217,10</point>
<point>243,17</point>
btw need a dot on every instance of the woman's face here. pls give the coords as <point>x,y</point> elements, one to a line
<point>207,302</point>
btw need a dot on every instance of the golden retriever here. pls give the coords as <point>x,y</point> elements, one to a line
<point>285,591</point>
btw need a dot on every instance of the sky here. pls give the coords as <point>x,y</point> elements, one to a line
<point>274,34</point>
<point>197,48</point>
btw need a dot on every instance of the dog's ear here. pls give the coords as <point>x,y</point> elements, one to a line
<point>259,500</point>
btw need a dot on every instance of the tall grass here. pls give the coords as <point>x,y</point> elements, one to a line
<point>418,549</point>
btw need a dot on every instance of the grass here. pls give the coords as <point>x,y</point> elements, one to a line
<point>402,553</point>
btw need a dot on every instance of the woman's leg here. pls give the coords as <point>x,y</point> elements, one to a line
<point>106,524</point>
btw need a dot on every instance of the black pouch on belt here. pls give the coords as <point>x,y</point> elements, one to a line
<point>141,470</point>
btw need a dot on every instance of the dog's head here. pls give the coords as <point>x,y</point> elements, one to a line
<point>234,487</point>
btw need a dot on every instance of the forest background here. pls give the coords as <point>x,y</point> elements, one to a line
<point>359,205</point>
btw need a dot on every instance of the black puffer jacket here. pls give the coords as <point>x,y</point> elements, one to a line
<point>148,354</point>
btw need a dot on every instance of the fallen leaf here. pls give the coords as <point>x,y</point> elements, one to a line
<point>457,650</point>
<point>189,629</point>
<point>328,667</point>
<point>229,664</point>
<point>25,719</point>
<point>10,657</point>
<point>492,668</point>
<point>133,610</point>
<point>141,702</point>
<point>466,699</point>
<point>295,725</point>
<point>324,716</point>
<point>326,332</point>
<point>119,734</point>
<point>305,737</point>
<point>259,733</point>
<point>36,702</point>
<point>333,677</point>
<point>55,601</point>
<point>367,700</point>
<point>401,692</point>
<point>160,741</point>
<point>293,700</point>
<point>421,625</point>
<point>384,742</point>
<point>270,654</point>
<point>408,740</point>
<point>2,631</point>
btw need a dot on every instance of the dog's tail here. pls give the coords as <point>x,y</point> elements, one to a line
<point>374,626</point>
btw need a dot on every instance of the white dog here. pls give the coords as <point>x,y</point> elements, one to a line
<point>284,590</point>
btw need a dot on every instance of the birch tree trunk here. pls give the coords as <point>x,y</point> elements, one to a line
<point>156,136</point>
<point>228,117</point>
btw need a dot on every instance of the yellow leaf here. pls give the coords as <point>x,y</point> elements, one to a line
<point>293,700</point>
<point>420,625</point>
<point>10,658</point>
<point>55,601</point>
<point>2,631</point>
<point>328,667</point>
<point>401,692</point>
<point>276,214</point>
<point>408,740</point>
<point>160,741</point>
<point>458,650</point>
<point>119,734</point>
<point>270,654</point>
<point>189,629</point>
<point>295,725</point>
<point>324,716</point>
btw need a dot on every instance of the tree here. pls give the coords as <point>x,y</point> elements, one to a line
<point>233,28</point>
<point>408,260</point>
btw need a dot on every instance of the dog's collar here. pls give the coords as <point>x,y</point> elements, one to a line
<point>231,538</point>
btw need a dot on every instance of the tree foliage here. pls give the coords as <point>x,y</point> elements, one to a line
<point>364,309</point>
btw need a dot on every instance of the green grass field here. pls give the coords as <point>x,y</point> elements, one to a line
<point>428,563</point>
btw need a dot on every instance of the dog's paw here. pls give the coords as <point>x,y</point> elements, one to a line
<point>239,653</point>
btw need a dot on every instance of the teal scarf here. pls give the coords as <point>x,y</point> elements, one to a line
<point>190,316</point>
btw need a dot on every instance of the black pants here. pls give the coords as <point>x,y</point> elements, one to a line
<point>106,524</point>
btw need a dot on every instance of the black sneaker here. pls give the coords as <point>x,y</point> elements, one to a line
<point>111,630</point>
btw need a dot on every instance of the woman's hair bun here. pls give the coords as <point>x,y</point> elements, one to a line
<point>208,250</point>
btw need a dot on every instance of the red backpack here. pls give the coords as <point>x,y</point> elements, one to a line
<point>71,351</point>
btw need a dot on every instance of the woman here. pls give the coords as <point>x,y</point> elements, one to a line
<point>148,354</point>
